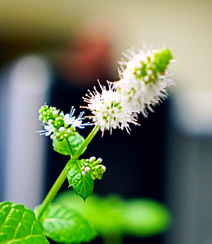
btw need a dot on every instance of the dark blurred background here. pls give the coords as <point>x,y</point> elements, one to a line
<point>53,51</point>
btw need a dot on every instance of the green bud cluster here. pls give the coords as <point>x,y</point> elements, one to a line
<point>55,117</point>
<point>62,132</point>
<point>51,115</point>
<point>154,65</point>
<point>94,166</point>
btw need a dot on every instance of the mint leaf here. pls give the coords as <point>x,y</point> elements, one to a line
<point>115,216</point>
<point>62,147</point>
<point>82,184</point>
<point>145,217</point>
<point>18,225</point>
<point>106,214</point>
<point>65,225</point>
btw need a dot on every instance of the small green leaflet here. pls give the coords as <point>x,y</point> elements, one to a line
<point>82,184</point>
<point>64,225</point>
<point>18,225</point>
<point>62,147</point>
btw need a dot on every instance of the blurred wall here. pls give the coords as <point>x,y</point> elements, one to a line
<point>185,26</point>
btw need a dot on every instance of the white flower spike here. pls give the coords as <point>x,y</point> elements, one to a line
<point>144,78</point>
<point>108,109</point>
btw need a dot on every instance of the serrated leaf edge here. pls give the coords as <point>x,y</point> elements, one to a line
<point>13,238</point>
<point>62,218</point>
<point>83,179</point>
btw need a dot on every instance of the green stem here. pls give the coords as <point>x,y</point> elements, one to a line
<point>58,183</point>
<point>86,142</point>
<point>71,151</point>
<point>52,193</point>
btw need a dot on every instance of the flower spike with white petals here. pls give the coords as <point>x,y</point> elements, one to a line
<point>144,78</point>
<point>108,109</point>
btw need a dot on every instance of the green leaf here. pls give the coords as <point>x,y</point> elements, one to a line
<point>18,225</point>
<point>82,184</point>
<point>106,214</point>
<point>146,217</point>
<point>65,225</point>
<point>62,147</point>
<point>114,216</point>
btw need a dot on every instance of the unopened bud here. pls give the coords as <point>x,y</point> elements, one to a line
<point>92,159</point>
<point>103,167</point>
<point>149,72</point>
<point>87,169</point>
<point>99,160</point>
<point>146,78</point>
<point>61,129</point>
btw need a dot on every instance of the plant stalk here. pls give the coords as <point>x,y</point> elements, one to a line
<point>60,180</point>
<point>51,194</point>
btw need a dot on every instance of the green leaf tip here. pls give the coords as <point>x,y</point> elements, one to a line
<point>64,225</point>
<point>82,184</point>
<point>69,147</point>
<point>18,225</point>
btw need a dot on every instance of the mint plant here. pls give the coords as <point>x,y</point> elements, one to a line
<point>143,81</point>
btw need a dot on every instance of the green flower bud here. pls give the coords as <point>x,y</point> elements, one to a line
<point>93,165</point>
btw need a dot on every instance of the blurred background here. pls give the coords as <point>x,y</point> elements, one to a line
<point>53,51</point>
